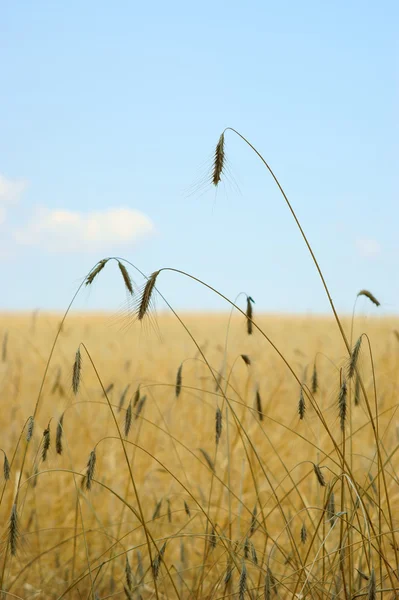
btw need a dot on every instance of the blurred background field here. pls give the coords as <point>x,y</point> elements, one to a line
<point>198,496</point>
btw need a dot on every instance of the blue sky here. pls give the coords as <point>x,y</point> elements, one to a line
<point>109,115</point>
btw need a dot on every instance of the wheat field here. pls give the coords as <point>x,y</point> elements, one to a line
<point>189,460</point>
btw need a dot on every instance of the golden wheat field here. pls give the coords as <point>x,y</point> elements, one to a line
<point>160,465</point>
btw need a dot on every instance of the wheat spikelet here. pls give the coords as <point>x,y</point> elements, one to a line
<point>29,432</point>
<point>140,568</point>
<point>212,539</point>
<point>123,397</point>
<point>4,347</point>
<point>77,367</point>
<point>13,530</point>
<point>58,435</point>
<point>35,476</point>
<point>331,508</point>
<point>254,556</point>
<point>126,277</point>
<point>46,443</point>
<point>268,590</point>
<point>259,405</point>
<point>253,521</point>
<point>208,459</point>
<point>301,405</point>
<point>342,403</point>
<point>91,464</point>
<point>6,467</point>
<point>157,510</point>
<point>140,406</point>
<point>169,511</point>
<point>128,419</point>
<point>229,573</point>
<point>249,314</point>
<point>218,162</point>
<point>128,574</point>
<point>182,553</point>
<point>246,548</point>
<point>187,509</point>
<point>56,384</point>
<point>93,274</point>
<point>319,475</point>
<point>396,334</point>
<point>146,296</point>
<point>242,584</point>
<point>136,397</point>
<point>246,359</point>
<point>315,381</point>
<point>362,575</point>
<point>354,358</point>
<point>218,381</point>
<point>372,588</point>
<point>304,534</point>
<point>218,424</point>
<point>157,561</point>
<point>108,389</point>
<point>370,296</point>
<point>178,381</point>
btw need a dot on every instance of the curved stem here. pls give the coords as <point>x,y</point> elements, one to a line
<point>302,233</point>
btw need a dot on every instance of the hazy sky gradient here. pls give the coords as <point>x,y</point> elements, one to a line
<point>109,114</point>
